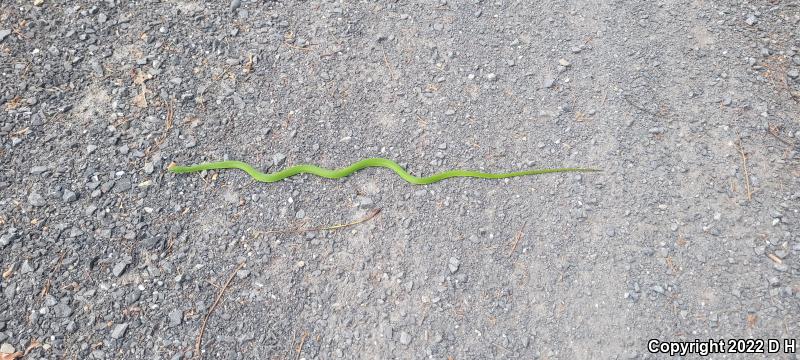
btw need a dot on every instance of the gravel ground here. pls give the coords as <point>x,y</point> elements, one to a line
<point>691,108</point>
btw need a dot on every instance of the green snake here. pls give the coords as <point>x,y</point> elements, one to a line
<point>358,165</point>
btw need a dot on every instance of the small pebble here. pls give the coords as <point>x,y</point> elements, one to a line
<point>231,197</point>
<point>36,200</point>
<point>405,338</point>
<point>7,239</point>
<point>69,196</point>
<point>278,159</point>
<point>7,348</point>
<point>453,264</point>
<point>119,331</point>
<point>235,4</point>
<point>119,268</point>
<point>780,267</point>
<point>4,34</point>
<point>175,318</point>
<point>26,267</point>
<point>727,101</point>
<point>366,203</point>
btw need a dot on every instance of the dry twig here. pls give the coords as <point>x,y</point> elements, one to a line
<point>299,349</point>
<point>199,342</point>
<point>775,132</point>
<point>745,172</point>
<point>517,238</point>
<point>49,281</point>
<point>388,66</point>
<point>371,214</point>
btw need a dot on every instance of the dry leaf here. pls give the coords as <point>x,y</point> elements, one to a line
<point>7,273</point>
<point>141,99</point>
<point>14,103</point>
<point>248,67</point>
<point>22,132</point>
<point>775,258</point>
<point>34,344</point>
<point>751,320</point>
<point>16,355</point>
<point>141,77</point>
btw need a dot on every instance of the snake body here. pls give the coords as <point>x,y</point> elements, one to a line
<point>358,165</point>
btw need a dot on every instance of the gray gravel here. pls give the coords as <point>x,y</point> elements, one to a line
<point>106,255</point>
